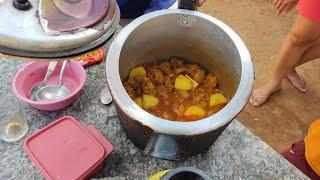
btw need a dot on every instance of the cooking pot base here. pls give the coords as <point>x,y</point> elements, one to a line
<point>168,147</point>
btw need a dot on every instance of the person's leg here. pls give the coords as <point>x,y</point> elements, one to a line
<point>313,52</point>
<point>302,35</point>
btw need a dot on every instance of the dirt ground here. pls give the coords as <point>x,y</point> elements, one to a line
<point>288,114</point>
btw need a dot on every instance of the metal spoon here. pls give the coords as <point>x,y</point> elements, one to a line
<point>36,87</point>
<point>105,96</point>
<point>54,92</point>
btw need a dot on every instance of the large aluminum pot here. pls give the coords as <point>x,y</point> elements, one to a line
<point>197,38</point>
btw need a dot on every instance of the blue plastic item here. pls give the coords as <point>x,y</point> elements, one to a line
<point>136,8</point>
<point>158,5</point>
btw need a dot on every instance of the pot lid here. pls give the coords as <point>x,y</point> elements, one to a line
<point>66,150</point>
<point>21,33</point>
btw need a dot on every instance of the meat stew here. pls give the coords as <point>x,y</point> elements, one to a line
<point>174,90</point>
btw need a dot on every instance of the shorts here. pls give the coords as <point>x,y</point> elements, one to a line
<point>309,9</point>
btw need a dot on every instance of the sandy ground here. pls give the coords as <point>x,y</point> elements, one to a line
<point>287,115</point>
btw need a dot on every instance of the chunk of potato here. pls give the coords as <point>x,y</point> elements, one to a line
<point>138,72</point>
<point>166,115</point>
<point>216,99</point>
<point>195,84</point>
<point>149,101</point>
<point>183,83</point>
<point>138,101</point>
<point>195,111</point>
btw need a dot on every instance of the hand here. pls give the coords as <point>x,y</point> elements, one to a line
<point>283,5</point>
<point>201,2</point>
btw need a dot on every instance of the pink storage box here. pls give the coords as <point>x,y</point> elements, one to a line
<point>66,150</point>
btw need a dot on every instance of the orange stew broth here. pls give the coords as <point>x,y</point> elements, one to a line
<point>175,99</point>
<point>166,105</point>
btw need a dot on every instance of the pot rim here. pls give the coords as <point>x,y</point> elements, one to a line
<point>131,109</point>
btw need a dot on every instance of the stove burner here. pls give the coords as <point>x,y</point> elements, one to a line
<point>23,5</point>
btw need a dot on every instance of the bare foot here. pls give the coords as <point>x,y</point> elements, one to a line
<point>262,94</point>
<point>297,81</point>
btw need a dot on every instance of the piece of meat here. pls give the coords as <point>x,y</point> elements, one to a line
<point>169,81</point>
<point>162,92</point>
<point>202,104</point>
<point>135,84</point>
<point>199,76</point>
<point>182,94</point>
<point>166,67</point>
<point>133,87</point>
<point>152,64</point>
<point>148,86</point>
<point>180,70</point>
<point>192,68</point>
<point>129,90</point>
<point>199,95</point>
<point>201,99</point>
<point>196,73</point>
<point>179,109</point>
<point>210,81</point>
<point>155,75</point>
<point>175,63</point>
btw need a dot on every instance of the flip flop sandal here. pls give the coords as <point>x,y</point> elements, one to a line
<point>296,82</point>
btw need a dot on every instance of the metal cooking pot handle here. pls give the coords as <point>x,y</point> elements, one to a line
<point>188,4</point>
<point>163,146</point>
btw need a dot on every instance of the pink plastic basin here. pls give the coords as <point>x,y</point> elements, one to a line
<point>34,72</point>
<point>66,150</point>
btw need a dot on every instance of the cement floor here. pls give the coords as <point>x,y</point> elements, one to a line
<point>285,118</point>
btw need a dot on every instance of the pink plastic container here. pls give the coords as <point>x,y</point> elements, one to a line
<point>66,150</point>
<point>34,72</point>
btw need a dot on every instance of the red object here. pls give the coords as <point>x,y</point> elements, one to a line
<point>66,150</point>
<point>310,9</point>
<point>91,58</point>
<point>296,156</point>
